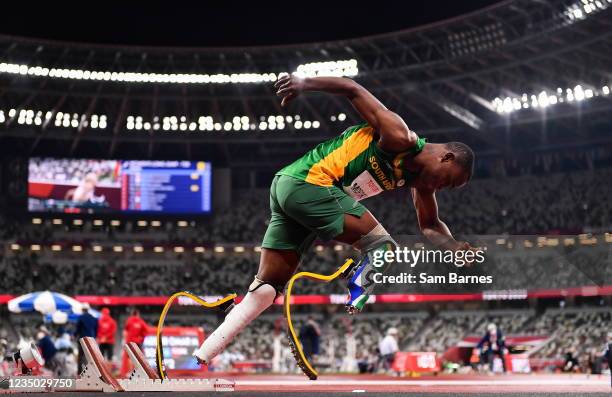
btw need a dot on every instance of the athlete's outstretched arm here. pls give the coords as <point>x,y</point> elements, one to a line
<point>395,136</point>
<point>430,224</point>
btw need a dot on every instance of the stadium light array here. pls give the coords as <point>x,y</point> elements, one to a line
<point>338,117</point>
<point>208,123</point>
<point>332,68</point>
<point>584,8</point>
<point>546,99</point>
<point>167,123</point>
<point>477,39</point>
<point>61,119</point>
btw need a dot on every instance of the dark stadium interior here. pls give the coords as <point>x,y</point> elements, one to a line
<point>526,84</point>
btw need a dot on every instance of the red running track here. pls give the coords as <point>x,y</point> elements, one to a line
<point>515,383</point>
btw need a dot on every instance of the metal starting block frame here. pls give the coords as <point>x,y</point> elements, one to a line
<point>96,375</point>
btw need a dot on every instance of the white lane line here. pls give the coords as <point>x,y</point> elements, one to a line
<point>356,382</point>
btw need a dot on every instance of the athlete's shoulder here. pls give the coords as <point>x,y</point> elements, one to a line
<point>355,128</point>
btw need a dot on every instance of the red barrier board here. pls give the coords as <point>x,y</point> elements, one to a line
<point>416,362</point>
<point>116,300</point>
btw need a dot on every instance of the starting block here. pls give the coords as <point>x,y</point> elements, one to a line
<point>96,376</point>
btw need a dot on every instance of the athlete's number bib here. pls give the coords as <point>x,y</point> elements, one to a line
<point>363,186</point>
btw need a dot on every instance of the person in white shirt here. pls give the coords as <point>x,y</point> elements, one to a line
<point>388,347</point>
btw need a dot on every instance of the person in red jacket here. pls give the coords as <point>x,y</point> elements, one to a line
<point>107,327</point>
<point>135,330</point>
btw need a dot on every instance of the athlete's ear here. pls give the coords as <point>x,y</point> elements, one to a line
<point>448,156</point>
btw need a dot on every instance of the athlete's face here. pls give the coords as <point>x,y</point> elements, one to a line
<point>444,174</point>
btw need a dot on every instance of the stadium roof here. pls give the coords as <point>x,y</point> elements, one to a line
<point>498,77</point>
<point>205,24</point>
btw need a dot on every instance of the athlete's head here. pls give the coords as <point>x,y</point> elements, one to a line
<point>448,165</point>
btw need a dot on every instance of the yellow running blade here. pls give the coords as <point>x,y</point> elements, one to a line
<point>296,346</point>
<point>159,353</point>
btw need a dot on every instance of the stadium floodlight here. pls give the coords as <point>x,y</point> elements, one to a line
<point>545,99</point>
<point>579,93</point>
<point>31,116</point>
<point>332,68</point>
<point>583,9</point>
<point>168,123</point>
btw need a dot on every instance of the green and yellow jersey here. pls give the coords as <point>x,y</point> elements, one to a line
<point>354,162</point>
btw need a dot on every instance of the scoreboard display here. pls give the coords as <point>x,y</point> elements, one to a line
<point>179,344</point>
<point>95,186</point>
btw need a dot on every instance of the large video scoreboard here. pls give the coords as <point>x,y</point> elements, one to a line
<point>94,186</point>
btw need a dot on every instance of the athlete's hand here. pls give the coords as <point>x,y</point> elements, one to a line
<point>288,87</point>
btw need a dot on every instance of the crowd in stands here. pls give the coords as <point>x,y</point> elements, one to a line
<point>220,273</point>
<point>557,203</point>
<point>578,331</point>
<point>72,171</point>
<point>581,332</point>
<point>560,203</point>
